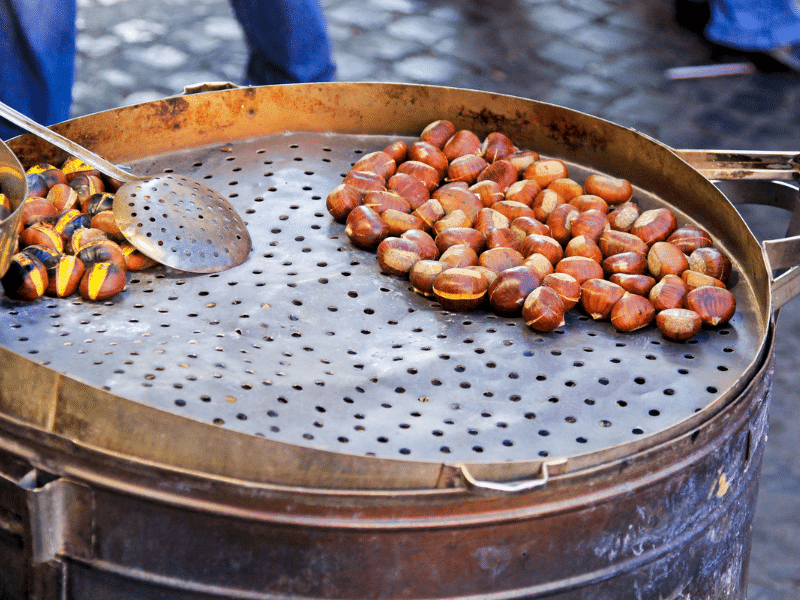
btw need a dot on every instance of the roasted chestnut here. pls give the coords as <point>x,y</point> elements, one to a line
<point>624,216</point>
<point>424,272</point>
<point>488,192</point>
<point>459,256</point>
<point>611,189</point>
<point>666,259</point>
<point>25,279</point>
<point>715,305</point>
<point>566,188</point>
<point>105,222</point>
<point>397,255</point>
<point>365,228</point>
<point>63,197</point>
<point>461,143</point>
<point>37,210</point>
<point>616,242</point>
<point>99,202</point>
<point>670,292</point>
<point>545,202</point>
<point>508,291</point>
<point>427,245</point>
<point>429,154</point>
<point>456,219</point>
<point>101,281</point>
<point>543,309</point>
<point>524,191</point>
<point>135,260</point>
<point>43,235</point>
<point>545,171</point>
<point>689,238</point>
<point>634,283</point>
<point>52,175</point>
<point>586,202</point>
<point>500,259</point>
<point>64,275</point>
<point>70,221</point>
<point>102,251</point>
<point>598,297</point>
<point>583,246</point>
<point>488,219</point>
<point>502,237</point>
<point>460,199</point>
<point>632,312</point>
<point>420,171</point>
<point>711,262</point>
<point>466,168</point>
<point>544,245</point>
<point>342,199</point>
<point>37,186</point>
<point>378,162</point>
<point>438,132</point>
<point>654,225</point>
<point>410,188</point>
<point>566,286</point>
<point>429,213</point>
<point>496,145</point>
<point>501,171</point>
<point>580,267</point>
<point>460,289</point>
<point>398,150</point>
<point>678,324</point>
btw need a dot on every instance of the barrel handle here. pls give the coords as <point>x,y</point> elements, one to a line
<point>744,164</point>
<point>747,177</point>
<point>481,487</point>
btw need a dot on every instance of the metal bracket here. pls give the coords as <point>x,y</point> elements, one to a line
<point>480,487</point>
<point>61,515</point>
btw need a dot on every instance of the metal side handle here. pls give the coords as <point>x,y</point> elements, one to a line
<point>481,487</point>
<point>740,164</point>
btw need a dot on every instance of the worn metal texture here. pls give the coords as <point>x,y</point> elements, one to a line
<point>673,522</point>
<point>15,188</point>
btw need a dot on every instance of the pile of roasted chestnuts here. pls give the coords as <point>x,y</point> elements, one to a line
<point>471,221</point>
<point>68,240</point>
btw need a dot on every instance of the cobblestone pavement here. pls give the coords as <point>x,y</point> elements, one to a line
<point>604,57</point>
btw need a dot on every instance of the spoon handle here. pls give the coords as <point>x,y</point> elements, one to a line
<point>59,141</point>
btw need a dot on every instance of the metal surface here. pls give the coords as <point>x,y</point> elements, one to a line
<point>176,221</point>
<point>15,187</point>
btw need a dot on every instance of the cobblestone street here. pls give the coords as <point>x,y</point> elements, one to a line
<point>604,57</point>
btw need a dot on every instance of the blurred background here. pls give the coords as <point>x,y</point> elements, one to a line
<point>623,61</point>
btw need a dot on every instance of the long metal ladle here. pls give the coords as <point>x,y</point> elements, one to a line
<point>175,220</point>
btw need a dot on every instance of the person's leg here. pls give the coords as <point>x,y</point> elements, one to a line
<point>288,41</point>
<point>754,26</point>
<point>37,59</point>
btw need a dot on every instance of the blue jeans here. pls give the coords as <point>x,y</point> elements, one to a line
<point>287,39</point>
<point>754,24</point>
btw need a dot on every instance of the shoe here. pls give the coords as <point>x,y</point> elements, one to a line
<point>788,56</point>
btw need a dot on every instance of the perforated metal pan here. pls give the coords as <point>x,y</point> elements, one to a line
<point>308,366</point>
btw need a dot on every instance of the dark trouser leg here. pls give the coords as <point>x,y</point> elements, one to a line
<point>288,41</point>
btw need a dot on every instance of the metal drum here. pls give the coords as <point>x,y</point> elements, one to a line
<point>305,426</point>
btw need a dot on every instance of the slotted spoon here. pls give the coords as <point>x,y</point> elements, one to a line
<point>175,220</point>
